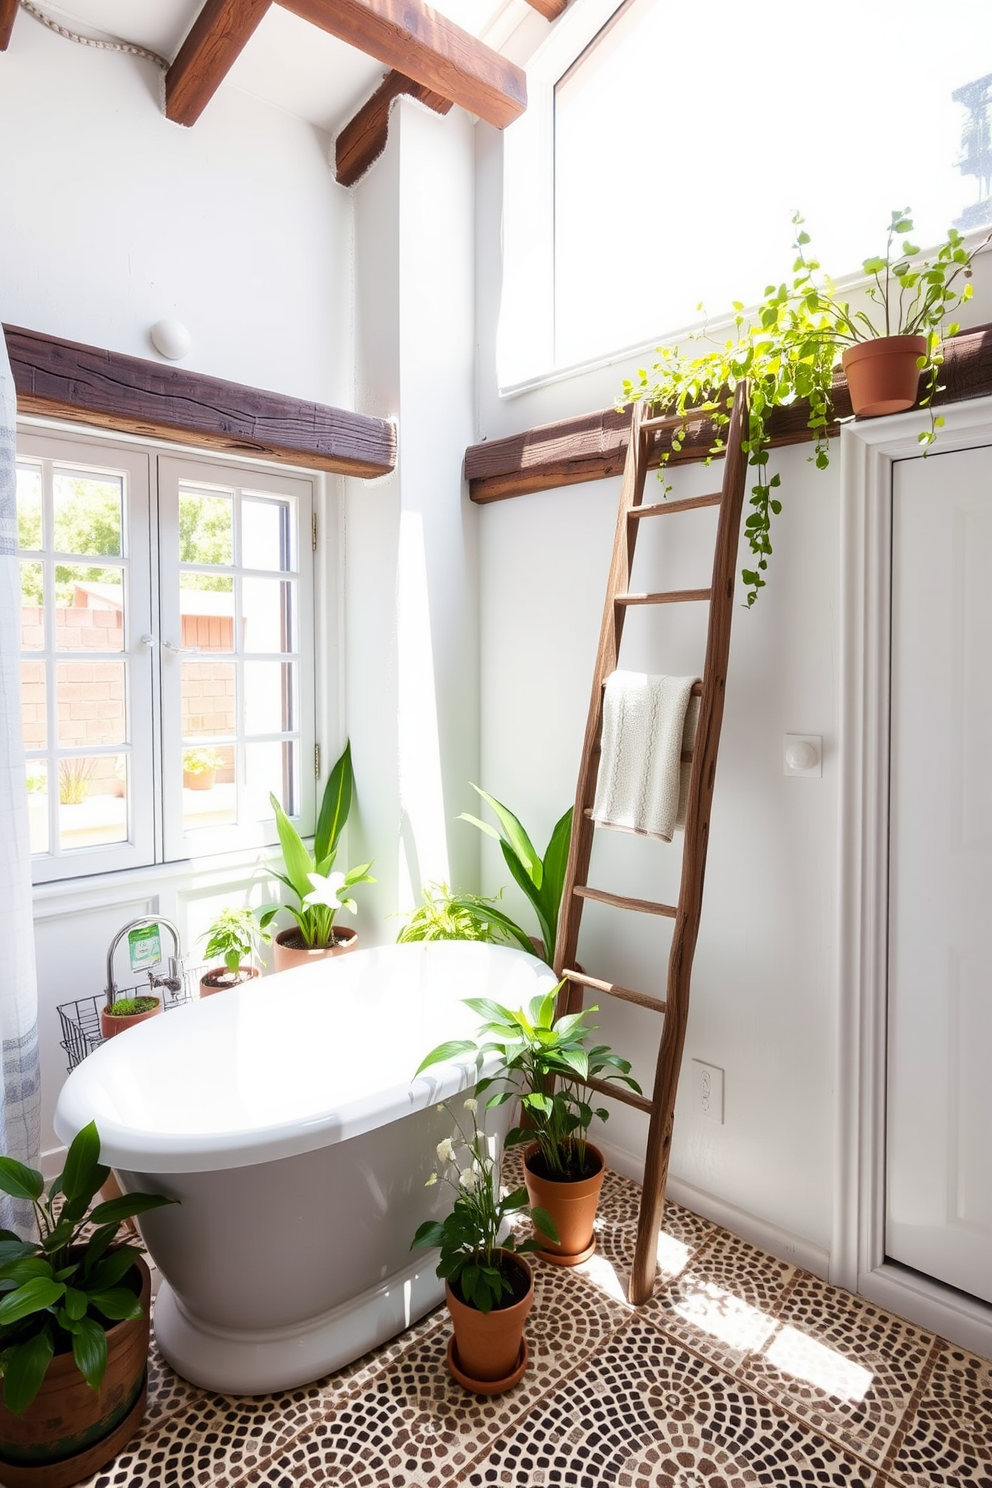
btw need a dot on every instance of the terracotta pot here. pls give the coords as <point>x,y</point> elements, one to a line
<point>489,1350</point>
<point>110,1024</point>
<point>202,780</point>
<point>883,376</point>
<point>286,955</point>
<point>70,1431</point>
<point>219,979</point>
<point>570,1206</point>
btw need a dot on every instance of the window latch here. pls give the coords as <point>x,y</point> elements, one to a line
<point>181,650</point>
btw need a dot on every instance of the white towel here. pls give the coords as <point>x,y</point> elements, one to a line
<point>642,783</point>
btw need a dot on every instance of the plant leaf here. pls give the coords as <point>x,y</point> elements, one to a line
<point>82,1165</point>
<point>115,1211</point>
<point>34,1296</point>
<point>89,1349</point>
<point>24,1370</point>
<point>444,1052</point>
<point>295,856</point>
<point>334,806</point>
<point>20,1181</point>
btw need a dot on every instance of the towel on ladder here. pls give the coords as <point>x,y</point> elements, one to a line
<point>647,723</point>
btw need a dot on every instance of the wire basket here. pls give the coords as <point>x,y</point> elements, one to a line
<point>81,1019</point>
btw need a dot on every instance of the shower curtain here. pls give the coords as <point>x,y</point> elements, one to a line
<point>20,1096</point>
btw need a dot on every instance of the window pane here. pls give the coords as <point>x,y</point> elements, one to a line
<point>209,790</point>
<point>271,767</point>
<point>266,534</point>
<point>32,607</point>
<point>37,781</point>
<point>269,701</point>
<point>206,609</point>
<point>91,812</point>
<point>206,527</point>
<point>267,619</point>
<point>34,705</point>
<point>209,699</point>
<point>90,701</point>
<point>28,506</point>
<point>88,512</point>
<point>89,608</point>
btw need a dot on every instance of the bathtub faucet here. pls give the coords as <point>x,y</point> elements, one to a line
<point>174,979</point>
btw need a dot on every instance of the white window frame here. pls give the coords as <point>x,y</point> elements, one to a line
<point>151,616</point>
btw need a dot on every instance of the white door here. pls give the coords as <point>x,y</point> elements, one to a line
<point>939,1078</point>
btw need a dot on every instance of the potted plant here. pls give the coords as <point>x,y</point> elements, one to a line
<point>319,892</point>
<point>788,349</point>
<point>200,768</point>
<point>489,1288</point>
<point>449,914</point>
<point>236,935</point>
<point>542,1060</point>
<point>541,879</point>
<point>125,1012</point>
<point>73,1323</point>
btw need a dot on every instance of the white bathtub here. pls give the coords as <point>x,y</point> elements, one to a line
<point>285,1117</point>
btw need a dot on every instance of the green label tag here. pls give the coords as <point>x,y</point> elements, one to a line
<point>144,947</point>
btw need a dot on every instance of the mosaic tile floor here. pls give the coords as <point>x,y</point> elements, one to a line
<point>740,1370</point>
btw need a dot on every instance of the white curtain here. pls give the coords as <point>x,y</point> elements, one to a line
<point>20,1097</point>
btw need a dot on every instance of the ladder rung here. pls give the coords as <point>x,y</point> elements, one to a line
<point>625,994</point>
<point>668,596</point>
<point>696,690</point>
<point>671,508</point>
<point>621,901</point>
<point>620,1093</point>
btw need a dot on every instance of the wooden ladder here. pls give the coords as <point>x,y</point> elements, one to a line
<point>711,691</point>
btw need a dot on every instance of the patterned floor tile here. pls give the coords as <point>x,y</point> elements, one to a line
<point>725,1302</point>
<point>413,1425</point>
<point>647,1414</point>
<point>842,1364</point>
<point>948,1440</point>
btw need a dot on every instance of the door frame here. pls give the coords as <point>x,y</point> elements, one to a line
<point>869,450</point>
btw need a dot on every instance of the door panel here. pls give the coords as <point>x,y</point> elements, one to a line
<point>939,1090</point>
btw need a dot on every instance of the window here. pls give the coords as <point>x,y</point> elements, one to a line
<point>659,165</point>
<point>166,635</point>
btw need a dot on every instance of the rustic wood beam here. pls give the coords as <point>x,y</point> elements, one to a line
<point>425,46</point>
<point>63,379</point>
<point>593,445</point>
<point>215,40</point>
<point>363,139</point>
<point>550,9</point>
<point>8,12</point>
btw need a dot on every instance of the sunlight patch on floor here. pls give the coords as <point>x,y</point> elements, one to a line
<point>716,1311</point>
<point>802,1357</point>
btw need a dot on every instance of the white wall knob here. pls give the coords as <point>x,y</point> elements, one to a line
<point>171,338</point>
<point>802,754</point>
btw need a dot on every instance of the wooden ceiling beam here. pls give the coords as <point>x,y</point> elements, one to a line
<point>426,47</point>
<point>363,139</point>
<point>549,9</point>
<point>215,40</point>
<point>64,379</point>
<point>593,445</point>
<point>8,13</point>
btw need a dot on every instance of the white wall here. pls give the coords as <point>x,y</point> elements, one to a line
<point>115,218</point>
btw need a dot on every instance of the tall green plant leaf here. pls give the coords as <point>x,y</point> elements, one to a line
<point>89,1349</point>
<point>24,1371</point>
<point>34,1296</point>
<point>334,807</point>
<point>555,864</point>
<point>81,1174</point>
<point>516,837</point>
<point>19,1181</point>
<point>295,856</point>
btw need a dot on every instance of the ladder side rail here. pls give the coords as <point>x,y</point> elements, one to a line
<point>696,841</point>
<point>611,629</point>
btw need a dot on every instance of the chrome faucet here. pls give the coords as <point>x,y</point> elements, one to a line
<point>174,980</point>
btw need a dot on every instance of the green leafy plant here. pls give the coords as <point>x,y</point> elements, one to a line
<point>201,761</point>
<point>470,1236</point>
<point>447,914</point>
<point>63,1291</point>
<point>74,780</point>
<point>542,1059</point>
<point>541,879</point>
<point>319,892</point>
<point>127,1007</point>
<point>237,936</point>
<point>788,348</point>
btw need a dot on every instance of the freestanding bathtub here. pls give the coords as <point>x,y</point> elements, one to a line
<point>285,1118</point>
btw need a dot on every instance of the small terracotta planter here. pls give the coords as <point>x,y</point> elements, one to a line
<point>571,1206</point>
<point>883,376</point>
<point>488,1353</point>
<point>200,780</point>
<point>288,949</point>
<point>219,979</point>
<point>111,1024</point>
<point>69,1432</point>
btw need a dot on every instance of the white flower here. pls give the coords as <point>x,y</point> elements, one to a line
<point>326,891</point>
<point>445,1151</point>
<point>431,1181</point>
<point>469,1179</point>
<point>471,1105</point>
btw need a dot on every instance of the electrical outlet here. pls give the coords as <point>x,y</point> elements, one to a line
<point>707,1088</point>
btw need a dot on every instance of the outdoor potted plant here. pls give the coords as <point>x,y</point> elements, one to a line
<point>125,1012</point>
<point>319,892</point>
<point>542,1061</point>
<point>200,768</point>
<point>489,1287</point>
<point>73,1323</point>
<point>789,347</point>
<point>541,879</point>
<point>236,935</point>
